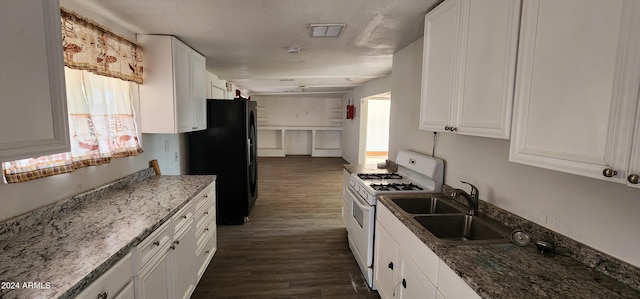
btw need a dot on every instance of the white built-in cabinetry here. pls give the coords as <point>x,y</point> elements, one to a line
<point>404,267</point>
<point>172,97</point>
<point>116,283</point>
<point>33,117</point>
<point>170,261</point>
<point>469,67</point>
<point>576,101</point>
<point>174,257</point>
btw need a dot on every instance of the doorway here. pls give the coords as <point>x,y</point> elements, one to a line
<point>374,129</point>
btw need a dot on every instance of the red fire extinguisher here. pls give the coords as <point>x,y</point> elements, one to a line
<point>351,110</point>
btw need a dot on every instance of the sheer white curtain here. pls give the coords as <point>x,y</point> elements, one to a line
<point>101,125</point>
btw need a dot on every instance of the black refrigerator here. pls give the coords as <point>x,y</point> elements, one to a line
<point>228,149</point>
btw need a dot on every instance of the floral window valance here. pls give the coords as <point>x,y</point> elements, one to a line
<point>90,47</point>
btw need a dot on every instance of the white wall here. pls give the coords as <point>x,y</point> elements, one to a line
<point>600,214</point>
<point>351,127</point>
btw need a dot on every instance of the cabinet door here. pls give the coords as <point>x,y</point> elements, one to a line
<point>488,48</point>
<point>413,283</point>
<point>34,102</point>
<point>153,281</point>
<point>126,293</point>
<point>577,86</point>
<point>440,34</point>
<point>450,285</point>
<point>198,91</point>
<point>182,81</point>
<point>385,263</point>
<point>634,164</point>
<point>184,254</point>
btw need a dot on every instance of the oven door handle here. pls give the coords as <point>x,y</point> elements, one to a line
<point>358,200</point>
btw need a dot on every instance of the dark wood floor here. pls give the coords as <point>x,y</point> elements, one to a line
<point>294,245</point>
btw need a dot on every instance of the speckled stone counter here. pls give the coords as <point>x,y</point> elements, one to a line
<point>68,245</point>
<point>509,271</point>
<point>371,168</point>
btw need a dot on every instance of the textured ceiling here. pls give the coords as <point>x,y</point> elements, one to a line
<point>246,41</point>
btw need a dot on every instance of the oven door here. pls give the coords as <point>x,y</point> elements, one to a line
<point>360,224</point>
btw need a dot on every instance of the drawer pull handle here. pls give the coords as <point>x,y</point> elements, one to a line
<point>404,283</point>
<point>173,247</point>
<point>634,179</point>
<point>391,265</point>
<point>157,243</point>
<point>176,242</point>
<point>206,252</point>
<point>206,213</point>
<point>206,229</point>
<point>103,295</point>
<point>184,216</point>
<point>608,172</point>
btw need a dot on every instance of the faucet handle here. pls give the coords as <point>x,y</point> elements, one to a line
<point>474,190</point>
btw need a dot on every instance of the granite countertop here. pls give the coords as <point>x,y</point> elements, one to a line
<point>71,244</point>
<point>510,271</point>
<point>371,168</point>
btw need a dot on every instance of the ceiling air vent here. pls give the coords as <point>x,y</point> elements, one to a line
<point>326,30</point>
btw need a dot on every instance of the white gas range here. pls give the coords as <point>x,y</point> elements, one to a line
<point>417,173</point>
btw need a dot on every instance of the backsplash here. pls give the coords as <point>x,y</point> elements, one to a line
<point>46,213</point>
<point>592,258</point>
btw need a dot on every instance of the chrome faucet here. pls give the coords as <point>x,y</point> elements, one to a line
<point>472,198</point>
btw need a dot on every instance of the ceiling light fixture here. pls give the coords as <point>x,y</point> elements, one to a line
<point>326,30</point>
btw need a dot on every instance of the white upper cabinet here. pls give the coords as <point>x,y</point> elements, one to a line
<point>172,97</point>
<point>33,117</point>
<point>469,63</point>
<point>577,87</point>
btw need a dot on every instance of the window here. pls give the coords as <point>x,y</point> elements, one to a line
<point>99,101</point>
<point>101,125</point>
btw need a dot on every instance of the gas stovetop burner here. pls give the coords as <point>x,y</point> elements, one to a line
<point>379,176</point>
<point>395,187</point>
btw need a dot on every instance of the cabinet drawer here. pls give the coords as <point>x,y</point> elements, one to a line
<point>111,282</point>
<point>205,253</point>
<point>206,217</point>
<point>207,195</point>
<point>155,244</point>
<point>183,218</point>
<point>203,235</point>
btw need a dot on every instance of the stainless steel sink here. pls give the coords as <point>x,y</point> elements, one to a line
<point>426,205</point>
<point>462,228</point>
<point>447,222</point>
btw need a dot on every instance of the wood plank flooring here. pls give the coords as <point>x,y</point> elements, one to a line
<point>295,243</point>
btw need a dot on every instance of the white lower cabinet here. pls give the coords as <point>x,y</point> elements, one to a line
<point>450,285</point>
<point>115,283</point>
<point>413,283</point>
<point>170,261</point>
<point>152,278</point>
<point>173,258</point>
<point>385,263</point>
<point>404,267</point>
<point>205,231</point>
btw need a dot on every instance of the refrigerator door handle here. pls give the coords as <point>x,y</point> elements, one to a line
<point>249,151</point>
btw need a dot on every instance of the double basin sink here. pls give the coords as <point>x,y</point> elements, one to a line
<point>448,223</point>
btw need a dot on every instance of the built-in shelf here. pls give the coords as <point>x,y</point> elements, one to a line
<point>325,141</point>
